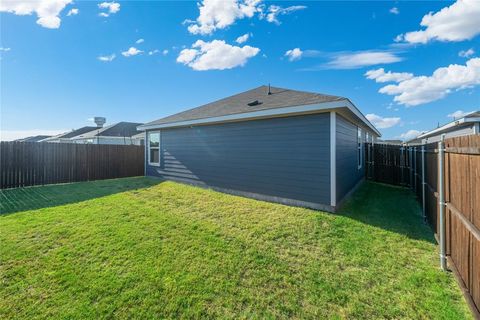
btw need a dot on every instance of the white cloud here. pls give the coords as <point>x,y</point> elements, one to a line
<point>410,134</point>
<point>140,41</point>
<point>219,14</point>
<point>458,22</point>
<point>132,51</point>
<point>108,58</point>
<point>165,52</point>
<point>47,11</point>
<point>359,59</point>
<point>9,135</point>
<point>424,89</point>
<point>466,53</point>
<point>458,114</point>
<point>215,55</point>
<point>4,49</point>
<point>382,123</point>
<point>379,75</point>
<point>274,11</point>
<point>111,7</point>
<point>152,52</point>
<point>73,12</point>
<point>394,10</point>
<point>243,38</point>
<point>294,54</point>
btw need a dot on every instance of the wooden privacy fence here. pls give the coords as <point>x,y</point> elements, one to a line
<point>418,168</point>
<point>31,163</point>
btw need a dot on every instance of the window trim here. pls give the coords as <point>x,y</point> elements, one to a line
<point>359,148</point>
<point>149,148</point>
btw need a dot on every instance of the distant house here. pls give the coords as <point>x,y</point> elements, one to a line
<point>469,124</point>
<point>66,137</point>
<point>119,133</point>
<point>281,145</point>
<point>139,139</point>
<point>391,141</point>
<point>33,138</point>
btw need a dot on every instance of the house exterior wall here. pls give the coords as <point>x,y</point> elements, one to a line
<point>468,129</point>
<point>283,160</point>
<point>348,174</point>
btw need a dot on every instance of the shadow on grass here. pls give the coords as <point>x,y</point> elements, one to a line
<point>21,199</point>
<point>390,208</point>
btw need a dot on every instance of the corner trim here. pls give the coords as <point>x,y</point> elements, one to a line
<point>333,159</point>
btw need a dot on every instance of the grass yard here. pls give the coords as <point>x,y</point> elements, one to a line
<point>139,248</point>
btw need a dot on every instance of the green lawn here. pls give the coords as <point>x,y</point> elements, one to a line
<point>139,248</point>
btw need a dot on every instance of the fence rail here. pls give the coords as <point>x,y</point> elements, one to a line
<point>31,163</point>
<point>418,168</point>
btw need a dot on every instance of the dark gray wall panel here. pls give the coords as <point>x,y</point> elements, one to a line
<point>281,157</point>
<point>348,173</point>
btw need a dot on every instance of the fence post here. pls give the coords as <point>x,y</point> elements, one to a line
<point>441,201</point>
<point>373,160</point>
<point>415,169</point>
<point>402,165</point>
<point>423,184</point>
<point>410,161</point>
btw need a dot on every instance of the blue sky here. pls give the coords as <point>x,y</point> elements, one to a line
<point>56,71</point>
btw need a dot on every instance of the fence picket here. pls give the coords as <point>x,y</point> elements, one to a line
<point>30,163</point>
<point>462,197</point>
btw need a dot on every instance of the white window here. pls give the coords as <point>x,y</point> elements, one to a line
<point>360,147</point>
<point>154,148</point>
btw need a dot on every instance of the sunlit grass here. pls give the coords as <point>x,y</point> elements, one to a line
<point>145,249</point>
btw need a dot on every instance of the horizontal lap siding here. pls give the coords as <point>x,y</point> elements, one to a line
<point>282,157</point>
<point>348,174</point>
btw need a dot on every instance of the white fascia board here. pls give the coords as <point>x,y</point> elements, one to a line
<point>447,126</point>
<point>312,108</point>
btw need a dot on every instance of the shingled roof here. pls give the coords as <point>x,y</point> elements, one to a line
<point>262,100</point>
<point>244,102</point>
<point>70,134</point>
<point>120,129</point>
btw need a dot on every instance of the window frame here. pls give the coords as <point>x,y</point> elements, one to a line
<point>359,148</point>
<point>149,148</point>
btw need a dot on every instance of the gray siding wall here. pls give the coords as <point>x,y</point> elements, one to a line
<point>453,132</point>
<point>282,157</point>
<point>348,173</point>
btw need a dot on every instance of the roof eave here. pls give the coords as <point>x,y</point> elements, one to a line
<point>268,113</point>
<point>450,125</point>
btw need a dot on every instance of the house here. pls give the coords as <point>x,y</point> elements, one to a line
<point>280,145</point>
<point>139,139</point>
<point>66,137</point>
<point>119,133</point>
<point>33,138</point>
<point>469,124</point>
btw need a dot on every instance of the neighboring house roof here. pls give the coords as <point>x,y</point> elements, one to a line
<point>468,120</point>
<point>257,103</point>
<point>70,134</point>
<point>121,129</point>
<point>33,138</point>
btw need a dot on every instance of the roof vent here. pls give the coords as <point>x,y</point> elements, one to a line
<point>254,103</point>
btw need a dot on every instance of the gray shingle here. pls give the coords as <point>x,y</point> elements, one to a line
<point>239,103</point>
